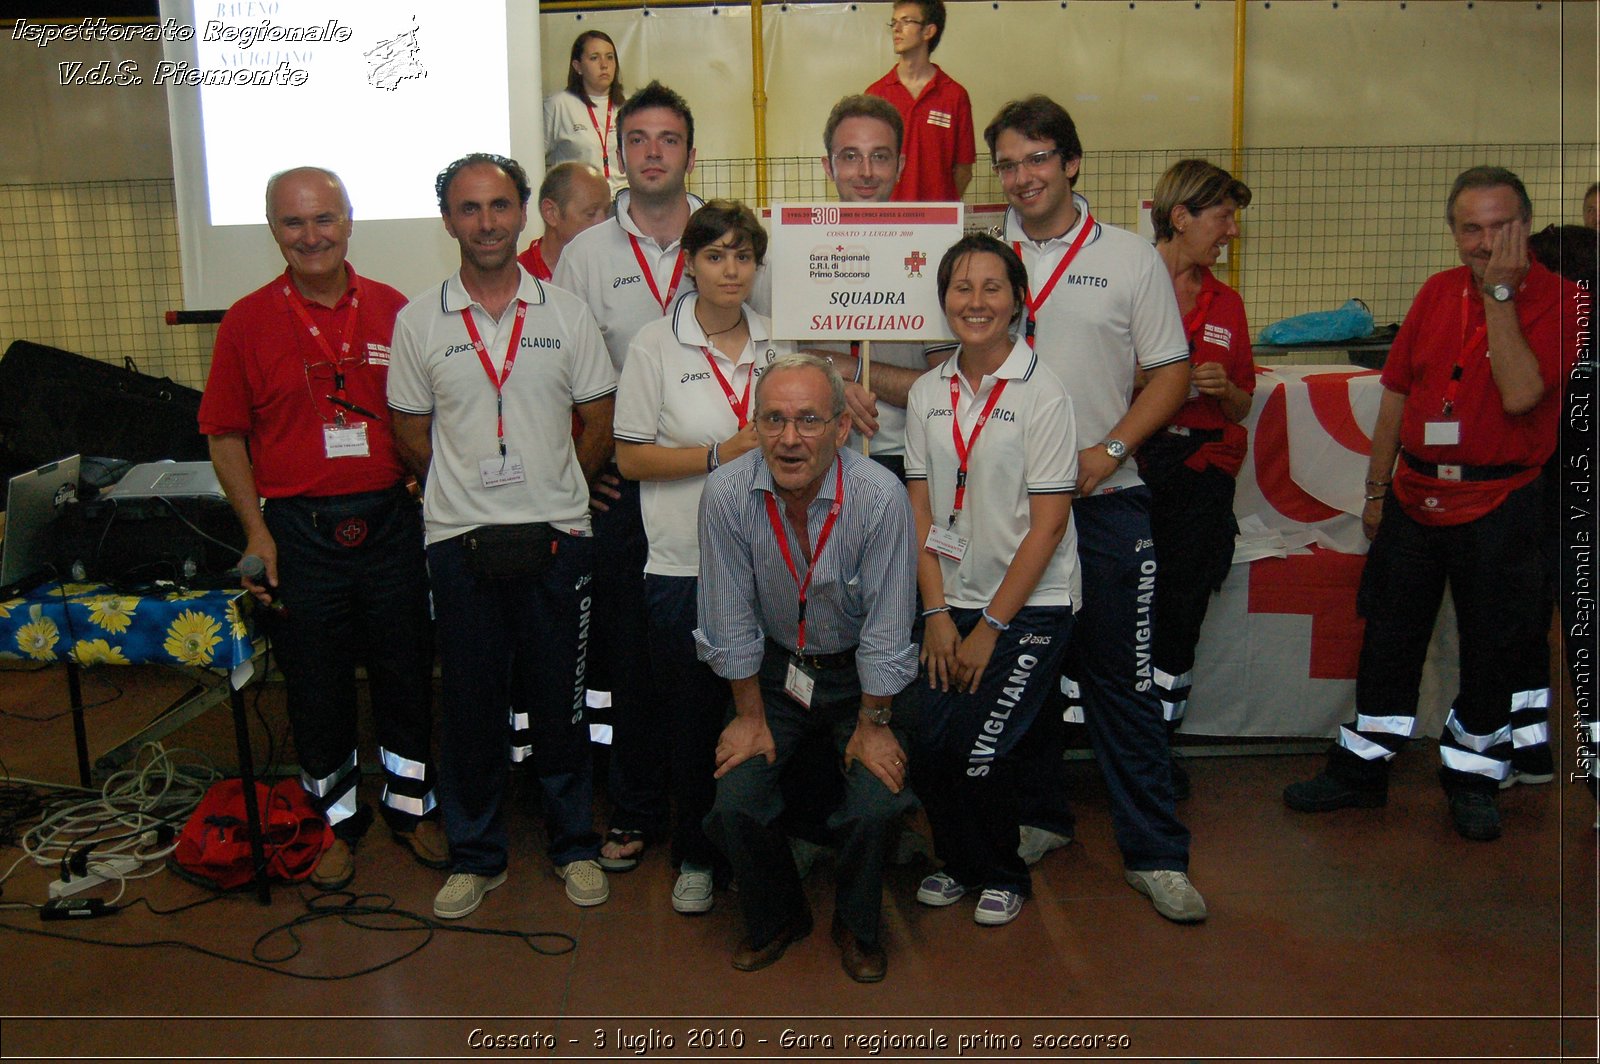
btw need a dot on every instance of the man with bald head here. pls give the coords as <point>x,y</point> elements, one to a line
<point>572,197</point>
<point>295,413</point>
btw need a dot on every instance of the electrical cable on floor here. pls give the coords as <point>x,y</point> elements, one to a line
<point>137,814</point>
<point>350,909</point>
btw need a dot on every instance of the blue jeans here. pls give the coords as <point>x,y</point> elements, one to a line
<point>743,821</point>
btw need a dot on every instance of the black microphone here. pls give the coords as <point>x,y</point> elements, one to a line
<point>254,569</point>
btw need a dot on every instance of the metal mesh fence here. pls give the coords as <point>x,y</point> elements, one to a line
<point>1325,224</point>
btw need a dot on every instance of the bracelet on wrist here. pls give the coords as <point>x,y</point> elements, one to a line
<point>936,609</point>
<point>998,626</point>
<point>712,461</point>
<point>1373,498</point>
<point>1377,483</point>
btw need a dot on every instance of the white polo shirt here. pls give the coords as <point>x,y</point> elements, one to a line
<point>1025,449</point>
<point>561,362</point>
<point>601,268</point>
<point>891,437</point>
<point>570,135</point>
<point>1112,313</point>
<point>669,396</point>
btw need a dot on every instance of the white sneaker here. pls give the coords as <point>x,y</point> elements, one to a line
<point>692,893</point>
<point>462,893</point>
<point>1036,842</point>
<point>997,907</point>
<point>1170,892</point>
<point>940,889</point>
<point>586,883</point>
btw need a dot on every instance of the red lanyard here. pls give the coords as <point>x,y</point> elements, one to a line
<point>499,382</point>
<point>1194,324</point>
<point>1035,305</point>
<point>650,277</point>
<point>741,407</point>
<point>816,553</point>
<point>964,447</point>
<point>1468,345</point>
<point>605,137</point>
<point>335,360</point>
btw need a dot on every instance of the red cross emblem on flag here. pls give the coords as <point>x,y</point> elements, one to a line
<point>914,264</point>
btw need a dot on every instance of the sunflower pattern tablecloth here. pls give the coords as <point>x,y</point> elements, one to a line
<point>92,624</point>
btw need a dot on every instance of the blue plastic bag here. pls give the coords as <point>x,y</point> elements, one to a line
<point>1350,322</point>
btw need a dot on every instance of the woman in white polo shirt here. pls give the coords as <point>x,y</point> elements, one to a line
<point>683,409</point>
<point>579,121</point>
<point>991,467</point>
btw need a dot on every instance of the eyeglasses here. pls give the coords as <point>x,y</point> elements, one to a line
<point>896,23</point>
<point>809,426</point>
<point>1035,161</point>
<point>882,159</point>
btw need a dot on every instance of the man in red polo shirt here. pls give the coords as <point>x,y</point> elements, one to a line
<point>572,197</point>
<point>939,145</point>
<point>1472,395</point>
<point>296,412</point>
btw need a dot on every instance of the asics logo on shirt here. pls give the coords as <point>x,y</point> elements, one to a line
<point>687,377</point>
<point>620,281</point>
<point>456,349</point>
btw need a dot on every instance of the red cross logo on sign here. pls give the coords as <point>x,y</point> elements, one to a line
<point>914,264</point>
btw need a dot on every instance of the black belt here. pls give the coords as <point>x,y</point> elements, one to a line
<point>1198,435</point>
<point>1462,472</point>
<point>844,659</point>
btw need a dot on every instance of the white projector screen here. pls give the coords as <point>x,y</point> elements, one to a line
<point>384,92</point>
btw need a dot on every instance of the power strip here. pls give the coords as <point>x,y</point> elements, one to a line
<point>103,870</point>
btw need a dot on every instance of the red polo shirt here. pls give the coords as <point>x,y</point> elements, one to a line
<point>532,260</point>
<point>938,135</point>
<point>1445,328</point>
<point>1218,332</point>
<point>268,382</point>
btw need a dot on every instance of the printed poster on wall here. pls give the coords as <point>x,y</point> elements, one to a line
<point>859,271</point>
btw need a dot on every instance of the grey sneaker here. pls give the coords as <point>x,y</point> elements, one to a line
<point>586,883</point>
<point>462,893</point>
<point>1170,892</point>
<point>692,892</point>
<point>939,890</point>
<point>1036,842</point>
<point>997,907</point>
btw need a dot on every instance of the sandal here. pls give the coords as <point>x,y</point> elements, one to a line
<point>622,839</point>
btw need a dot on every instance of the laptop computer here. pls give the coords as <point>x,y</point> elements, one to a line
<point>167,480</point>
<point>34,500</point>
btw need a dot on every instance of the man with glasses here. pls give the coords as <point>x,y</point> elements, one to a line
<point>864,161</point>
<point>1101,312</point>
<point>295,413</point>
<point>807,589</point>
<point>934,108</point>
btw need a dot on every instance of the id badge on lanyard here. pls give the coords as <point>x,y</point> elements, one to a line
<point>1445,431</point>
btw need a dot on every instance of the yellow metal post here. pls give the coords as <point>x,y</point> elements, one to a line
<point>1236,251</point>
<point>758,100</point>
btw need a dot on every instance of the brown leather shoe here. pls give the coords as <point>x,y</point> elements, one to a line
<point>427,844</point>
<point>753,959</point>
<point>863,963</point>
<point>336,867</point>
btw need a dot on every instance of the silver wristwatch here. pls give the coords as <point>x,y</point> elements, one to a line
<point>1116,449</point>
<point>1500,293</point>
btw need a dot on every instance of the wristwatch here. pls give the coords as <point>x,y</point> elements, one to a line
<point>1500,293</point>
<point>1116,449</point>
<point>877,714</point>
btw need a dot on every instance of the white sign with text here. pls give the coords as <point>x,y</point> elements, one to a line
<point>859,271</point>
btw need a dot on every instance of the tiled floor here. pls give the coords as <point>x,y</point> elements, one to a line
<point>1368,935</point>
